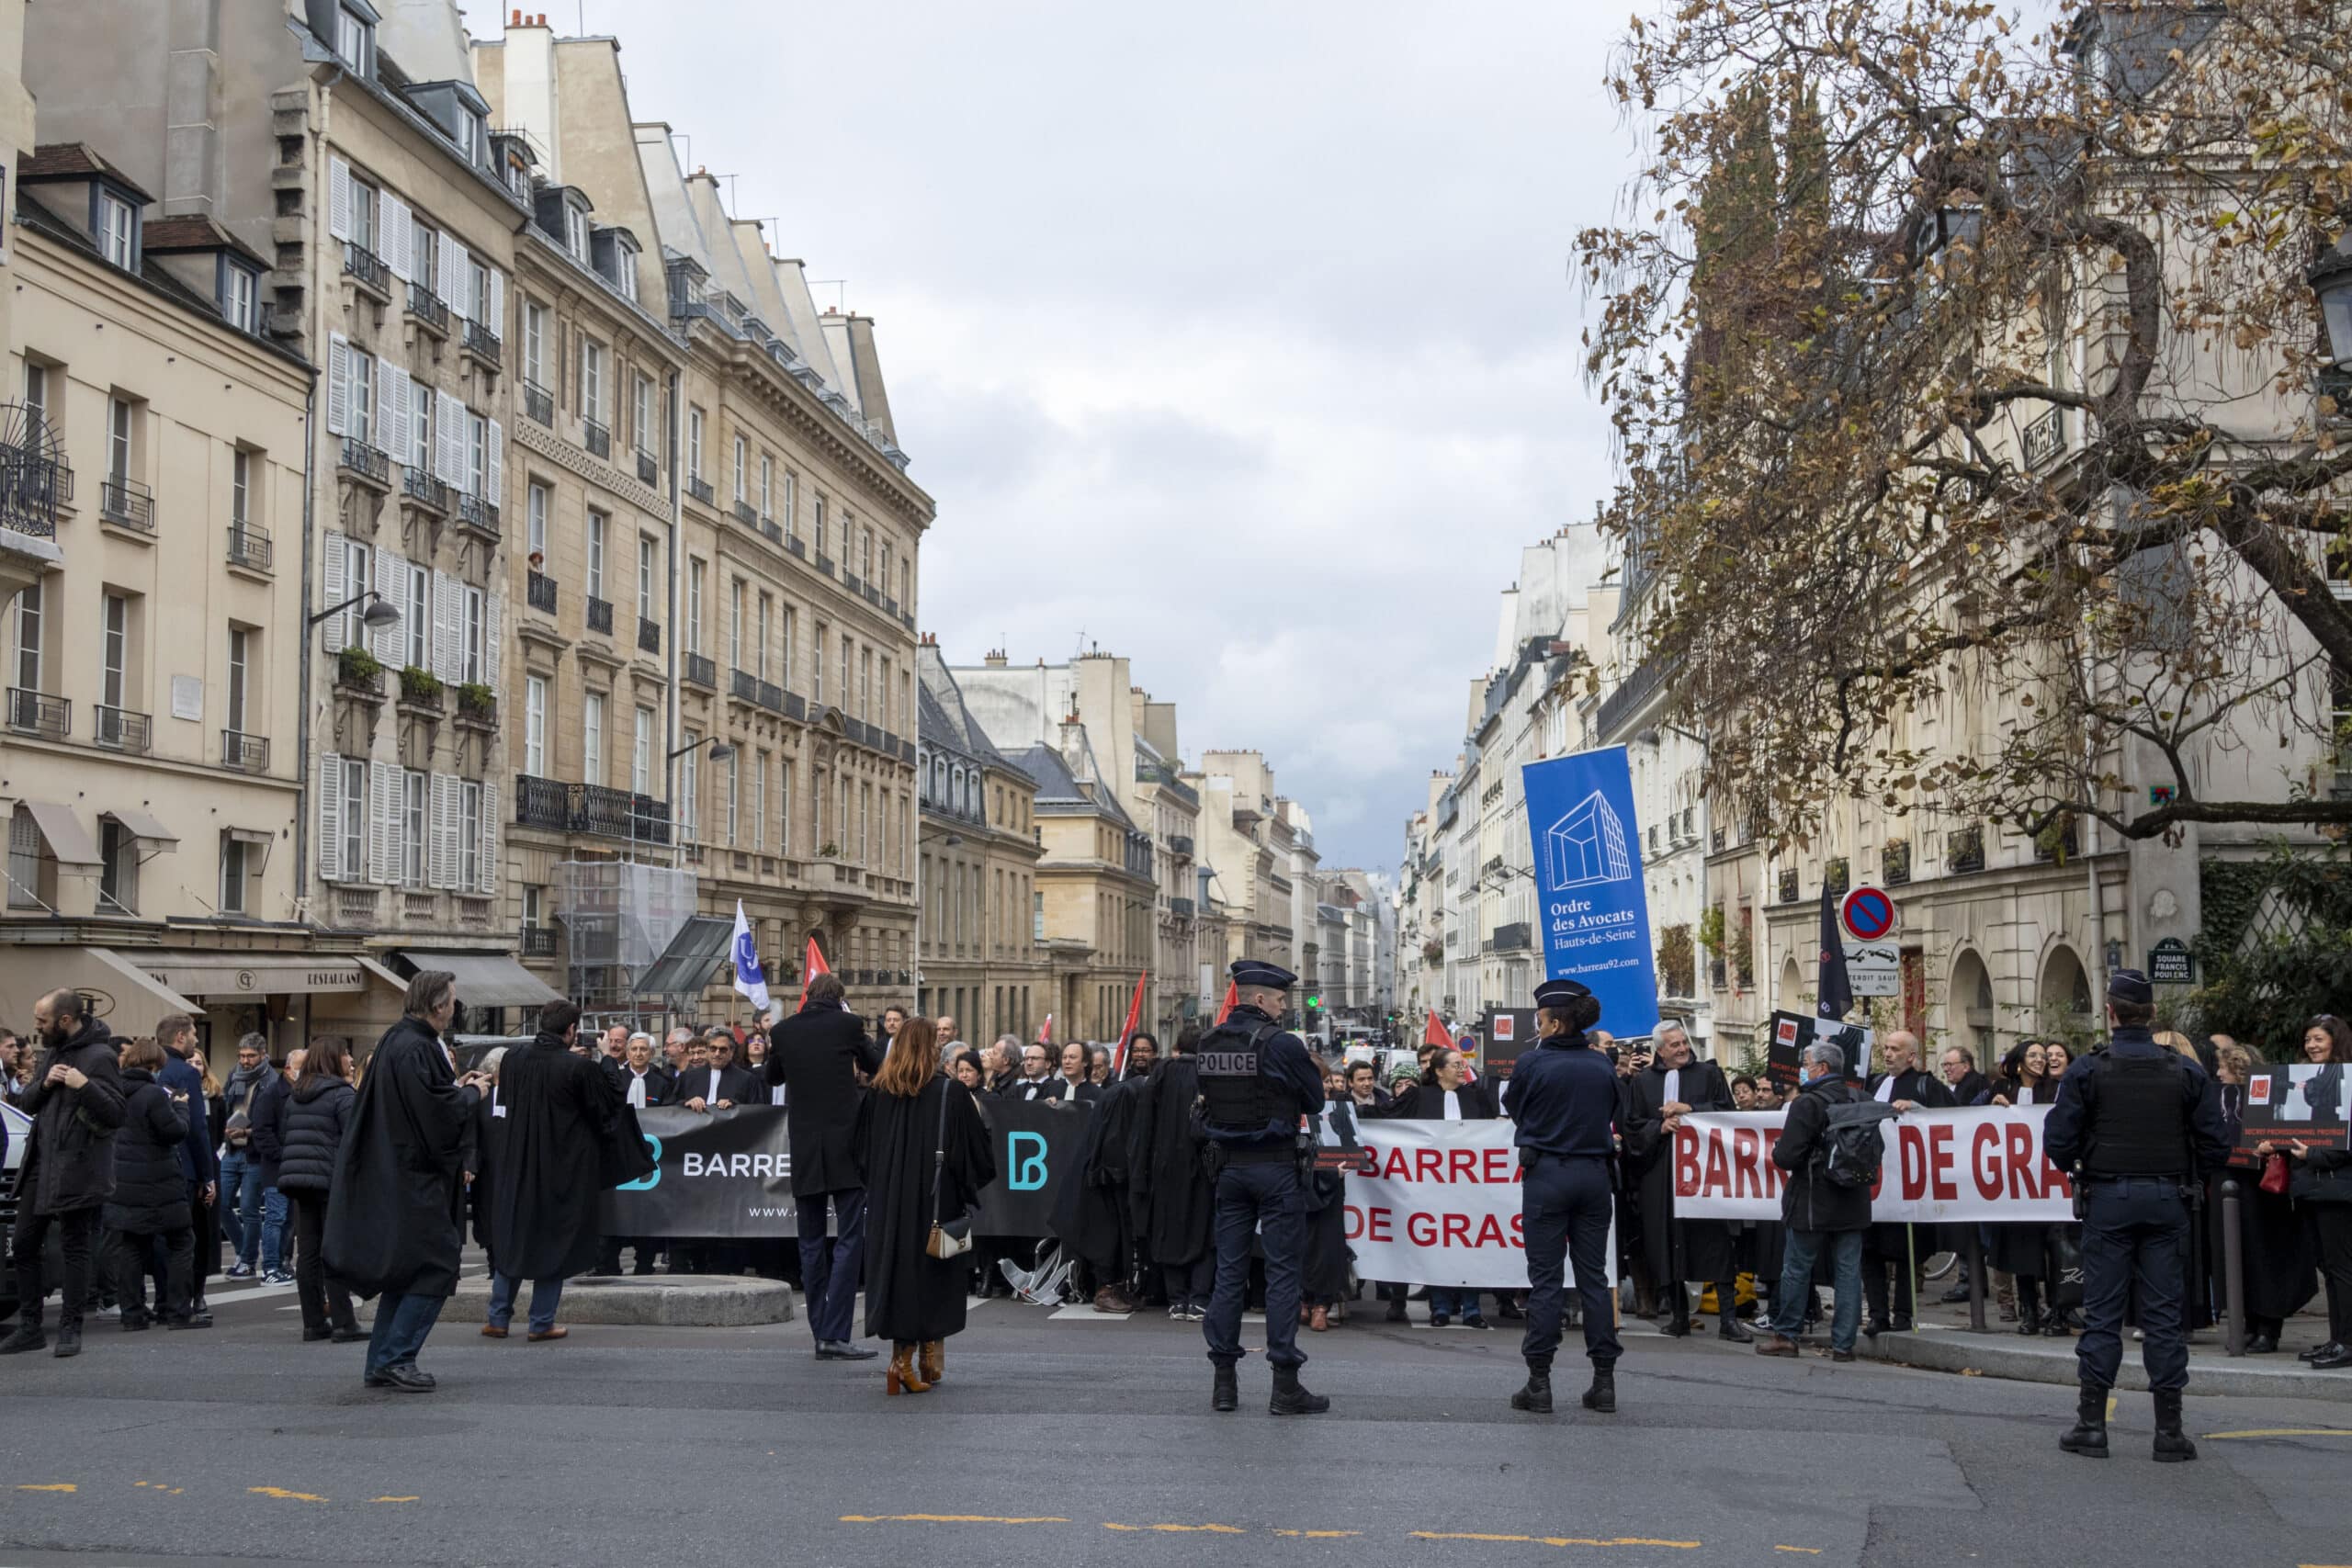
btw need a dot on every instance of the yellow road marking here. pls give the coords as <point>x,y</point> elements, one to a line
<point>51,1487</point>
<point>946,1519</point>
<point>281,1493</point>
<point>2111,1408</point>
<point>1808,1550</point>
<point>1183,1529</point>
<point>1556,1540</point>
<point>1317,1535</point>
<point>2287,1432</point>
<point>396,1499</point>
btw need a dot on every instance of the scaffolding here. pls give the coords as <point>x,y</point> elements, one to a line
<point>618,917</point>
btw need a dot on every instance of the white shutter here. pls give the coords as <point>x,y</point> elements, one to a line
<point>338,372</point>
<point>331,817</point>
<point>497,464</point>
<point>392,221</point>
<point>337,591</point>
<point>448,628</point>
<point>443,860</point>
<point>489,882</point>
<point>456,263</point>
<point>383,823</point>
<point>389,644</point>
<point>338,199</point>
<point>497,323</point>
<point>449,423</point>
<point>493,612</point>
<point>392,410</point>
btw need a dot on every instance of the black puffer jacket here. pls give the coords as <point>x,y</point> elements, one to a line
<point>149,1187</point>
<point>72,1156</point>
<point>1810,1200</point>
<point>310,1128</point>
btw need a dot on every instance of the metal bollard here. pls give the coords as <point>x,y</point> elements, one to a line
<point>1976,1281</point>
<point>2233,1265</point>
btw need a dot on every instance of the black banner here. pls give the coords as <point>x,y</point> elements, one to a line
<point>1037,1140</point>
<point>2299,1102</point>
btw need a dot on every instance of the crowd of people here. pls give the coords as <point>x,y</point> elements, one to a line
<point>151,1170</point>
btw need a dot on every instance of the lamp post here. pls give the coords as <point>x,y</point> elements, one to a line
<point>2331,279</point>
<point>380,611</point>
<point>720,750</point>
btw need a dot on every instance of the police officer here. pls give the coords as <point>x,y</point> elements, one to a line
<point>1562,1096</point>
<point>1256,1082</point>
<point>2141,1128</point>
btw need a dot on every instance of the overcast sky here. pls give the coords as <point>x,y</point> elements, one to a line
<point>1238,338</point>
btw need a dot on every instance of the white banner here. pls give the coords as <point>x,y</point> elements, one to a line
<point>1984,1163</point>
<point>1441,1206</point>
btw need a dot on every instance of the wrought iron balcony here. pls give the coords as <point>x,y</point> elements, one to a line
<point>1621,704</point>
<point>590,808</point>
<point>1516,937</point>
<point>246,753</point>
<point>539,591</point>
<point>771,696</point>
<point>700,488</point>
<point>598,438</point>
<point>2044,438</point>
<point>424,489</point>
<point>1181,907</point>
<point>537,942</point>
<point>32,486</point>
<point>701,671</point>
<point>1894,863</point>
<point>358,457</point>
<point>600,615</point>
<point>127,504</point>
<point>39,714</point>
<point>249,546</point>
<point>1837,876</point>
<point>2060,842</point>
<point>1180,845</point>
<point>478,515</point>
<point>649,636</point>
<point>1788,887</point>
<point>539,404</point>
<point>119,729</point>
<point>482,343</point>
<point>429,308</point>
<point>825,563</point>
<point>746,513</point>
<point>1964,851</point>
<point>368,268</point>
<point>850,580</point>
<point>744,686</point>
<point>648,471</point>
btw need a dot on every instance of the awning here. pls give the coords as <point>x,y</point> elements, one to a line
<point>142,827</point>
<point>128,998</point>
<point>62,829</point>
<point>685,965</point>
<point>486,979</point>
<point>232,974</point>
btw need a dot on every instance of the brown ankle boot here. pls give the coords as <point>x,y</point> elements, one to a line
<point>902,1377</point>
<point>934,1360</point>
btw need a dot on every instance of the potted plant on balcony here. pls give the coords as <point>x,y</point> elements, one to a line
<point>1433,951</point>
<point>358,671</point>
<point>420,686</point>
<point>1895,862</point>
<point>827,850</point>
<point>476,701</point>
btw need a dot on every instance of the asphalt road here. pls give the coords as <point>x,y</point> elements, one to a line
<point>1074,1441</point>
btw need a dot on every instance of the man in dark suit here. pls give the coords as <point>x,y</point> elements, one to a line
<point>817,1055</point>
<point>713,1082</point>
<point>1888,1249</point>
<point>644,1083</point>
<point>1036,1080</point>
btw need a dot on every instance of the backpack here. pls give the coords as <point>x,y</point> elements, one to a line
<point>1853,1148</point>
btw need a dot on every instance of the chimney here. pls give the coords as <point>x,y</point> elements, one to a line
<point>995,660</point>
<point>1074,750</point>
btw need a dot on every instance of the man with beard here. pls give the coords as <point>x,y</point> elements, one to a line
<point>396,1210</point>
<point>176,1032</point>
<point>818,1053</point>
<point>1674,1085</point>
<point>1906,1086</point>
<point>717,1084</point>
<point>561,1114</point>
<point>1170,1185</point>
<point>76,1102</point>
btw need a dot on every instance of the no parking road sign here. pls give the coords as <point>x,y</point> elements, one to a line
<point>1869,914</point>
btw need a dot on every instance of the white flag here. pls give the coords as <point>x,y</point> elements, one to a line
<point>750,981</point>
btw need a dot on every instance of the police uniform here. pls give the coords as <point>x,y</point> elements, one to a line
<point>2141,1128</point>
<point>1562,1097</point>
<point>1256,1082</point>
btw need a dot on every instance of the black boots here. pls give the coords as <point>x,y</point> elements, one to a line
<point>1536,1397</point>
<point>1602,1396</point>
<point>2088,1436</point>
<point>27,1336</point>
<point>69,1339</point>
<point>1291,1398</point>
<point>2173,1446</point>
<point>1227,1393</point>
<point>1728,1324</point>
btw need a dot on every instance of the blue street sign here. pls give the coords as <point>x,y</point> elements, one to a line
<point>1594,910</point>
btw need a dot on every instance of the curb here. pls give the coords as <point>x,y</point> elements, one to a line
<point>2239,1378</point>
<point>670,1301</point>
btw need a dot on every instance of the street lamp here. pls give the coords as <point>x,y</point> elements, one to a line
<point>380,611</point>
<point>719,749</point>
<point>2331,279</point>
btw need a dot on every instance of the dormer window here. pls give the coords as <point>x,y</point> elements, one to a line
<point>116,229</point>
<point>575,230</point>
<point>240,297</point>
<point>473,137</point>
<point>624,278</point>
<point>354,40</point>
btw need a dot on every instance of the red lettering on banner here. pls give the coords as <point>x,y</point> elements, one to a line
<point>1490,1232</point>
<point>1985,1159</point>
<point>1462,1165</point>
<point>1940,1184</point>
<point>1686,1161</point>
<point>1519,1231</point>
<point>1398,1167</point>
<point>1428,1165</point>
<point>1501,1169</point>
<point>1420,1229</point>
<point>1745,1180</point>
<point>1773,1175</point>
<point>1352,1228</point>
<point>1912,1152</point>
<point>2023,1157</point>
<point>1718,1173</point>
<point>1378,1225</point>
<point>1457,1230</point>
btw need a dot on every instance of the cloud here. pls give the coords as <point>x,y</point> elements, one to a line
<point>1237,338</point>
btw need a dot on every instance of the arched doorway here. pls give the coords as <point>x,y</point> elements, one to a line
<point>1792,997</point>
<point>1970,1010</point>
<point>2064,1006</point>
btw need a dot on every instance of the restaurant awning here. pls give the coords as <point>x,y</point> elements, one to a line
<point>64,833</point>
<point>485,979</point>
<point>685,965</point>
<point>231,974</point>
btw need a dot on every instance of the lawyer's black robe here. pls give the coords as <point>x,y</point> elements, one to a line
<point>1700,1249</point>
<point>2281,1271</point>
<point>396,1212</point>
<point>909,1295</point>
<point>1893,1242</point>
<point>561,1114</point>
<point>1165,1168</point>
<point>1091,1214</point>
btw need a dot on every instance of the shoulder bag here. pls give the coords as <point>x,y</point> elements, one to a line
<point>948,1238</point>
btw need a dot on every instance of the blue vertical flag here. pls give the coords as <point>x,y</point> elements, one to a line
<point>1595,911</point>
<point>750,981</point>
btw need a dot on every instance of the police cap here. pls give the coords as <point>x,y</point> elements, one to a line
<point>2130,987</point>
<point>1268,976</point>
<point>1559,993</point>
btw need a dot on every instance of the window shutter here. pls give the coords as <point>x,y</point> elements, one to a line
<point>489,883</point>
<point>338,199</point>
<point>454,259</point>
<point>336,591</point>
<point>420,423</point>
<point>331,817</point>
<point>497,323</point>
<point>448,628</point>
<point>338,372</point>
<point>443,858</point>
<point>392,410</point>
<point>493,612</point>
<point>387,643</point>
<point>448,426</point>
<point>383,823</point>
<point>393,240</point>
<point>497,463</point>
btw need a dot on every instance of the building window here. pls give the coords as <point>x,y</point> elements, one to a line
<point>742,470</point>
<point>416,614</point>
<point>690,787</point>
<point>411,828</point>
<point>114,658</point>
<point>365,209</point>
<point>791,630</point>
<point>735,628</point>
<point>575,231</point>
<point>784,808</point>
<point>241,648</point>
<point>535,726</point>
<point>359,389</point>
<point>539,501</point>
<point>624,269</point>
<point>355,819</point>
<point>475,632</point>
<point>355,40</point>
<point>596,553</point>
<point>645,576</point>
<point>534,343</point>
<point>241,487</point>
<point>694,606</point>
<point>767,487</point>
<point>865,557</point>
<point>734,790</point>
<point>26,645</point>
<point>119,427</point>
<point>647,434</point>
<point>240,298</point>
<point>24,860</point>
<point>791,507</point>
<point>640,756</point>
<point>234,874</point>
<point>478,302</point>
<point>421,426</point>
<point>591,382</point>
<point>469,835</point>
<point>592,738</point>
<point>473,139</point>
<point>693,443</point>
<point>760,804</point>
<point>820,524</point>
<point>1036,917</point>
<point>760,653</point>
<point>477,429</point>
<point>819,694</point>
<point>36,390</point>
<point>117,231</point>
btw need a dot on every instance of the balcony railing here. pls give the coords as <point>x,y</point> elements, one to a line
<point>540,590</point>
<point>1964,851</point>
<point>701,671</point>
<point>2060,842</point>
<point>794,544</point>
<point>249,546</point>
<point>746,513</point>
<point>1788,887</point>
<point>1181,907</point>
<point>32,489</point>
<point>649,636</point>
<point>368,268</point>
<point>1630,694</point>
<point>119,729</point>
<point>478,515</point>
<point>771,696</point>
<point>539,404</point>
<point>1180,845</point>
<point>1516,937</point>
<point>599,439</point>
<point>39,714</point>
<point>537,942</point>
<point>700,490</point>
<point>429,308</point>
<point>2044,438</point>
<point>482,343</point>
<point>648,471</point>
<point>424,489</point>
<point>825,563</point>
<point>1837,876</point>
<point>1894,863</point>
<point>246,753</point>
<point>600,615</point>
<point>358,457</point>
<point>127,504</point>
<point>744,686</point>
<point>590,808</point>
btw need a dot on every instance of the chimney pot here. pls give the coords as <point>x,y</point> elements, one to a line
<point>517,20</point>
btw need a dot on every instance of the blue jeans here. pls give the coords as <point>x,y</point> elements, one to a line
<point>1254,1200</point>
<point>237,1176</point>
<point>402,1323</point>
<point>1796,1283</point>
<point>1448,1302</point>
<point>274,1218</point>
<point>545,1296</point>
<point>830,1266</point>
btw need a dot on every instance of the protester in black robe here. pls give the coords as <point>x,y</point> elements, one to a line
<point>560,1114</point>
<point>396,1212</point>
<point>1091,1215</point>
<point>2281,1270</point>
<point>1170,1184</point>
<point>1323,1286</point>
<point>2020,1248</point>
<point>1678,1250</point>
<point>923,1155</point>
<point>1891,1250</point>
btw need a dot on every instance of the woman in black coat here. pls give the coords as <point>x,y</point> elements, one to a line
<point>1445,1094</point>
<point>2322,1189</point>
<point>2018,1249</point>
<point>312,1119</point>
<point>150,1197</point>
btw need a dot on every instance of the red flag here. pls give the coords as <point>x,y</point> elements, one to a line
<point>1045,1031</point>
<point>1134,1017</point>
<point>811,970</point>
<point>1435,1033</point>
<point>1232,1001</point>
